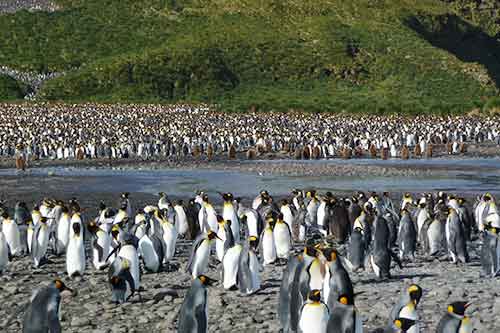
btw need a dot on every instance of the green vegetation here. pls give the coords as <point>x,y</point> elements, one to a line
<point>10,89</point>
<point>383,56</point>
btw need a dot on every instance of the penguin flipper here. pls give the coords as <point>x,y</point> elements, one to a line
<point>53,321</point>
<point>200,316</point>
<point>100,250</point>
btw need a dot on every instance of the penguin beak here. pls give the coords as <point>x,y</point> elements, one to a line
<point>467,305</point>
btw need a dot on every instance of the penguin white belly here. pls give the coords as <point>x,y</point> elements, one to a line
<point>466,326</point>
<point>287,216</point>
<point>43,242</point>
<point>170,238</point>
<point>63,233</point>
<point>219,244</point>
<point>104,241</point>
<point>140,231</point>
<point>282,241</point>
<point>302,233</point>
<point>256,202</point>
<point>230,266</point>
<point>375,268</point>
<point>212,220</point>
<point>148,254</point>
<point>410,312</point>
<point>254,271</point>
<point>181,221</point>
<point>129,252</point>
<point>201,259</point>
<point>252,225</point>
<point>269,248</point>
<point>75,256</point>
<point>4,253</point>
<point>29,236</point>
<point>314,318</point>
<point>421,218</point>
<point>12,236</point>
<point>321,216</point>
<point>229,214</point>
<point>316,281</point>
<point>326,286</point>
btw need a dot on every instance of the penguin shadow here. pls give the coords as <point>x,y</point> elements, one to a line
<point>396,277</point>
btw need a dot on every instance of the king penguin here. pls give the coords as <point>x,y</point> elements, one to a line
<point>407,236</point>
<point>406,307</point>
<point>357,250</point>
<point>10,230</point>
<point>314,314</point>
<point>100,245</point>
<point>455,319</point>
<point>344,317</point>
<point>75,254</point>
<point>249,267</point>
<point>207,216</point>
<point>230,264</point>
<point>121,281</point>
<point>43,312</point>
<point>337,281</point>
<point>200,253</point>
<point>282,238</point>
<point>62,232</point>
<point>456,239</point>
<point>490,252</point>
<point>193,315</point>
<point>268,244</point>
<point>40,242</point>
<point>4,253</point>
<point>229,213</point>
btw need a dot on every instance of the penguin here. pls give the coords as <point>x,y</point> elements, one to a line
<point>353,210</point>
<point>268,244</point>
<point>40,242</point>
<point>455,238</point>
<point>10,230</point>
<point>288,213</point>
<point>29,235</point>
<point>299,228</point>
<point>43,312</point>
<point>312,208</point>
<point>230,264</point>
<point>229,213</point>
<point>169,236</point>
<point>253,221</point>
<point>100,245</point>
<point>207,216</point>
<point>181,221</point>
<point>406,307</point>
<point>225,238</point>
<point>407,236</point>
<point>399,325</point>
<point>126,206</point>
<point>21,217</point>
<point>338,220</point>
<point>336,281</point>
<point>435,230</point>
<point>314,314</point>
<point>357,250</point>
<point>455,319</point>
<point>75,254</point>
<point>282,238</point>
<point>121,281</point>
<point>192,210</point>
<point>200,253</point>
<point>258,199</point>
<point>4,253</point>
<point>152,252</point>
<point>163,201</point>
<point>381,255</point>
<point>423,216</point>
<point>490,252</point>
<point>128,250</point>
<point>62,231</point>
<point>322,216</point>
<point>344,317</point>
<point>193,315</point>
<point>249,267</point>
<point>465,217</point>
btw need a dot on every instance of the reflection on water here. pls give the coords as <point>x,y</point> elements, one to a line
<point>185,182</point>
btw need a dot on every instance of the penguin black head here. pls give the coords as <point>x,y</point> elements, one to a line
<point>487,197</point>
<point>109,213</point>
<point>115,231</point>
<point>162,194</point>
<point>227,196</point>
<point>125,195</point>
<point>264,193</point>
<point>220,219</point>
<point>315,295</point>
<point>43,219</point>
<point>211,235</point>
<point>458,308</point>
<point>386,194</point>
<point>407,196</point>
<point>330,254</point>
<point>206,281</point>
<point>404,324</point>
<point>415,293</point>
<point>61,286</point>
<point>253,241</point>
<point>284,202</point>
<point>422,205</point>
<point>204,197</point>
<point>328,194</point>
<point>358,229</point>
<point>280,217</point>
<point>92,227</point>
<point>102,206</point>
<point>76,228</point>
<point>346,299</point>
<point>311,251</point>
<point>4,214</point>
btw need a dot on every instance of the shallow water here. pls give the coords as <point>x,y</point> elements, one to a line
<point>481,175</point>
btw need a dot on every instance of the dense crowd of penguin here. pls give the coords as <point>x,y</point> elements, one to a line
<point>319,239</point>
<point>91,131</point>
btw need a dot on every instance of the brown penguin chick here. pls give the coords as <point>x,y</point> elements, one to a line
<point>405,152</point>
<point>385,153</point>
<point>306,153</point>
<point>316,153</point>
<point>417,152</point>
<point>449,148</point>
<point>463,148</point>
<point>251,154</point>
<point>429,151</point>
<point>298,153</point>
<point>210,152</point>
<point>346,153</point>
<point>231,154</point>
<point>196,151</point>
<point>373,151</point>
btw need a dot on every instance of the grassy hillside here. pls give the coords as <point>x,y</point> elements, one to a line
<point>10,89</point>
<point>384,56</point>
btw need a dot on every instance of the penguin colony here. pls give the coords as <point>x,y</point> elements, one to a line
<point>92,131</point>
<point>334,237</point>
